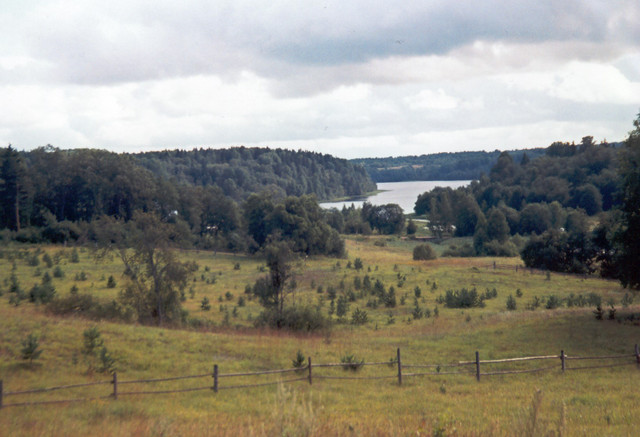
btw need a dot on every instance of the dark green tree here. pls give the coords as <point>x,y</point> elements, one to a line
<point>497,226</point>
<point>387,219</point>
<point>12,188</point>
<point>628,237</point>
<point>271,290</point>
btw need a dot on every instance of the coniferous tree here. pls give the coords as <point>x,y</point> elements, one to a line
<point>628,237</point>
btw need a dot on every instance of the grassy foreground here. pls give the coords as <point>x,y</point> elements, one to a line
<point>600,401</point>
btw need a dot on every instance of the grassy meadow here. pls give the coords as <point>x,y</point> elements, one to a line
<point>598,401</point>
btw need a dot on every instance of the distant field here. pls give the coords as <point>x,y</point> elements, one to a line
<point>588,402</point>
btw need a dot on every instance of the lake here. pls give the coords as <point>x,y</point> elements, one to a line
<point>404,194</point>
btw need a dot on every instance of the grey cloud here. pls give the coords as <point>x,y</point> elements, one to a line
<point>130,41</point>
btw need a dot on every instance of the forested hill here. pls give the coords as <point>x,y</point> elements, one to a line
<point>240,171</point>
<point>438,167</point>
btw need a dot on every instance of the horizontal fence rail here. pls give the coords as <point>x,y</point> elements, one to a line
<point>306,373</point>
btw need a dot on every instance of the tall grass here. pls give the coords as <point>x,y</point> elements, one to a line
<point>602,401</point>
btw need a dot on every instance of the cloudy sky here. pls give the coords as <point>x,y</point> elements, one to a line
<point>352,78</point>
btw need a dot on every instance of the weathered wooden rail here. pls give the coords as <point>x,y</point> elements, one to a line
<point>473,367</point>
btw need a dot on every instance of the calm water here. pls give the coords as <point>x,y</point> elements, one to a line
<point>404,194</point>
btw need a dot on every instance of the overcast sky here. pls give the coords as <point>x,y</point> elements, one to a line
<point>351,78</point>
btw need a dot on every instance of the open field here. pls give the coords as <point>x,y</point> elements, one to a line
<point>600,401</point>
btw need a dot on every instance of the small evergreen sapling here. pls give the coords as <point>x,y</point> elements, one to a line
<point>30,348</point>
<point>511,303</point>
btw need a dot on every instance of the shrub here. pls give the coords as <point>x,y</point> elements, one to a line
<point>511,303</point>
<point>462,298</point>
<point>598,312</point>
<point>75,256</point>
<point>58,272</point>
<point>390,298</point>
<point>46,278</point>
<point>33,260</point>
<point>357,264</point>
<point>294,318</point>
<point>423,252</point>
<point>111,282</point>
<point>46,259</point>
<point>299,361</point>
<point>417,311</point>
<point>107,362</point>
<point>91,341</point>
<point>88,306</point>
<point>205,305</point>
<point>30,348</point>
<point>42,293</point>
<point>535,303</point>
<point>553,302</point>
<point>359,317</point>
<point>351,362</point>
<point>466,250</point>
<point>82,276</point>
<point>342,306</point>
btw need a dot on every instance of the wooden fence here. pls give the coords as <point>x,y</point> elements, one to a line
<point>309,373</point>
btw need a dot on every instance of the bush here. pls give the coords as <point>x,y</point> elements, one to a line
<point>42,293</point>
<point>33,260</point>
<point>359,317</point>
<point>351,362</point>
<point>205,305</point>
<point>299,361</point>
<point>598,312</point>
<point>357,264</point>
<point>511,303</point>
<point>29,350</point>
<point>91,341</point>
<point>88,306</point>
<point>46,259</point>
<point>464,251</point>
<point>423,252</point>
<point>496,248</point>
<point>111,282</point>
<point>298,318</point>
<point>462,298</point>
<point>553,302</point>
<point>58,272</point>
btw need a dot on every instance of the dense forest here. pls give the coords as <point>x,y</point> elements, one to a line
<point>439,166</point>
<point>240,171</point>
<point>575,208</point>
<point>57,195</point>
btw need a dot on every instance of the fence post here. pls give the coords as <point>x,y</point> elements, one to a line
<point>215,378</point>
<point>0,394</point>
<point>478,365</point>
<point>399,368</point>
<point>310,378</point>
<point>636,350</point>
<point>115,385</point>
<point>563,360</point>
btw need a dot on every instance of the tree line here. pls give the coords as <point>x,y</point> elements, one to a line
<point>53,195</point>
<point>449,166</point>
<point>574,208</point>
